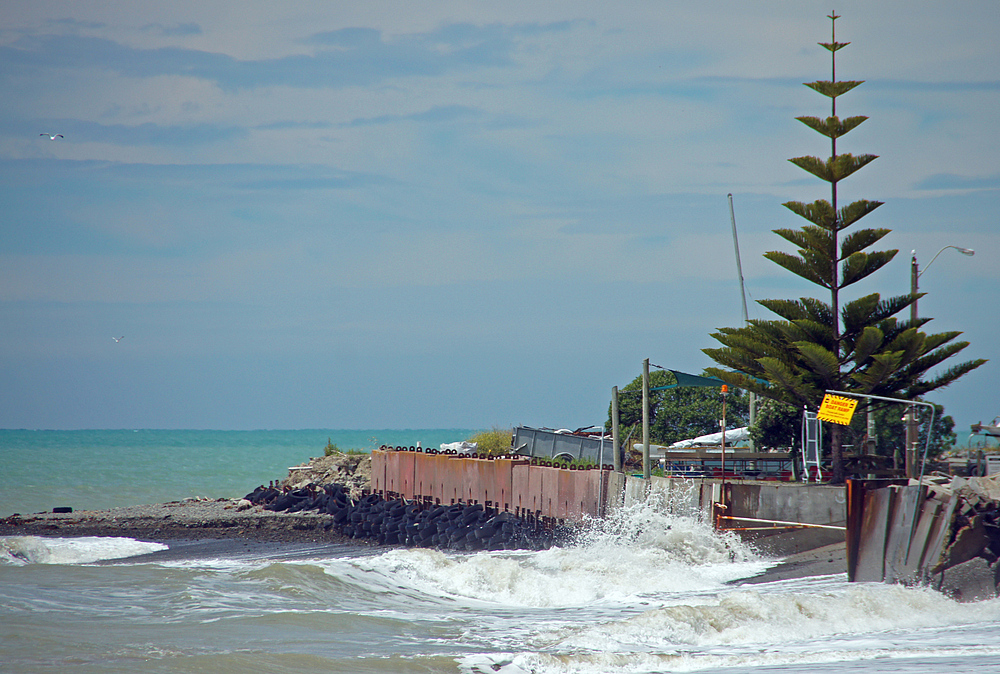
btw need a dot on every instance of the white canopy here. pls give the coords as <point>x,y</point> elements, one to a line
<point>733,435</point>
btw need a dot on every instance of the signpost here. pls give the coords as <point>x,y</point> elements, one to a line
<point>837,409</point>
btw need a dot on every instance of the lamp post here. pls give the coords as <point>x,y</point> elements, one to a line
<point>911,417</point>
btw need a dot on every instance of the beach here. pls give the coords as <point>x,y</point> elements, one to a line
<point>190,519</point>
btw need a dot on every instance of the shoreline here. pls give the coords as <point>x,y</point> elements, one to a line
<point>189,519</point>
<point>202,527</point>
<point>826,561</point>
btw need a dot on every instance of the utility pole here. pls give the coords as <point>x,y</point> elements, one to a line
<point>615,439</point>
<point>911,417</point>
<point>646,472</point>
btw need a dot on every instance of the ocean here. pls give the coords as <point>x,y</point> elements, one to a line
<point>639,592</point>
<point>100,469</point>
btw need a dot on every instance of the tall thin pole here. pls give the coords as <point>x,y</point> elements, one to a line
<point>836,449</point>
<point>911,417</point>
<point>912,426</point>
<point>646,472</point>
<point>615,438</point>
<point>725,392</point>
<point>739,266</point>
<point>743,297</point>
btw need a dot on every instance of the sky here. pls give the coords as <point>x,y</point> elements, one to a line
<point>457,214</point>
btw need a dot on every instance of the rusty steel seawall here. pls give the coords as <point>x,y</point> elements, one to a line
<point>924,534</point>
<point>506,484</point>
<point>538,491</point>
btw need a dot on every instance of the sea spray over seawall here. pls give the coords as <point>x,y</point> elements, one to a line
<point>666,574</point>
<point>84,550</point>
<point>665,522</point>
<point>636,553</point>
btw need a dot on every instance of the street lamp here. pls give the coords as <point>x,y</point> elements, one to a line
<point>916,273</point>
<point>911,417</point>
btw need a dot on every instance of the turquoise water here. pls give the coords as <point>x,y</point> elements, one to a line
<point>99,469</point>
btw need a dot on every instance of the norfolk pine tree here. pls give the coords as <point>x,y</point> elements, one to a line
<point>858,346</point>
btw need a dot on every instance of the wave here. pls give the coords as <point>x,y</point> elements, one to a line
<point>870,661</point>
<point>19,550</point>
<point>637,553</point>
<point>748,629</point>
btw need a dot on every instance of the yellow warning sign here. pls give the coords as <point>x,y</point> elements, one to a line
<point>837,409</point>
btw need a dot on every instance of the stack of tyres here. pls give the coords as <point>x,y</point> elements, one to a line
<point>400,522</point>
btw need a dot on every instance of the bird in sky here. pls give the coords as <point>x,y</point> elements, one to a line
<point>52,136</point>
<point>118,339</point>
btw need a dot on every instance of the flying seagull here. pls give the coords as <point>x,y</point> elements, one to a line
<point>118,339</point>
<point>52,136</point>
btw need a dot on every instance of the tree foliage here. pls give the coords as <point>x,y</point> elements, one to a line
<point>777,426</point>
<point>815,345</point>
<point>677,413</point>
<point>890,430</point>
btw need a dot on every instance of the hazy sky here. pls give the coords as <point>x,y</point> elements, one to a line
<point>455,214</point>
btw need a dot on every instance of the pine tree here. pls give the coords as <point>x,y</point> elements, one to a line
<point>857,346</point>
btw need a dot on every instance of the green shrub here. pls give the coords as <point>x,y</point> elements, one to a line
<point>495,442</point>
<point>332,449</point>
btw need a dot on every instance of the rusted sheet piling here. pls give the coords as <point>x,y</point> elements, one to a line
<point>508,484</point>
<point>544,493</point>
<point>942,533</point>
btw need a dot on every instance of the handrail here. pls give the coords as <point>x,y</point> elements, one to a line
<point>792,524</point>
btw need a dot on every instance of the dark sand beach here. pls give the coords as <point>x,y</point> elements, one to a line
<point>190,519</point>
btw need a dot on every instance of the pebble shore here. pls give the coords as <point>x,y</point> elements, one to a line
<point>193,518</point>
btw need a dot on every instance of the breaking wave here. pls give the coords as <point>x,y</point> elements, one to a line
<point>84,550</point>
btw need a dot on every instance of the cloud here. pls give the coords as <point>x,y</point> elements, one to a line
<point>177,30</point>
<point>75,24</point>
<point>287,124</point>
<point>347,57</point>
<point>440,113</point>
<point>948,181</point>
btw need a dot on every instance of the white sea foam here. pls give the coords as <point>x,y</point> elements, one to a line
<point>745,617</point>
<point>871,661</point>
<point>637,554</point>
<point>85,550</point>
<point>752,628</point>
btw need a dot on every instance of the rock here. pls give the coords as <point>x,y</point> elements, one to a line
<point>243,504</point>
<point>353,471</point>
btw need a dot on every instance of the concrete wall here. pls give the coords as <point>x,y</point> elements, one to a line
<point>790,502</point>
<point>784,501</point>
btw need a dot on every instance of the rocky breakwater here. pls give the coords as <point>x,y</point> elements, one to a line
<point>353,472</point>
<point>383,521</point>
